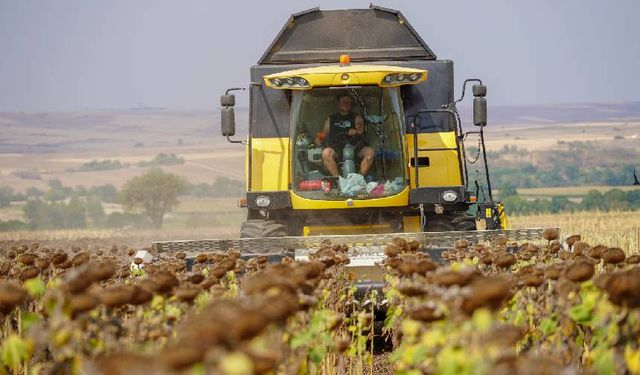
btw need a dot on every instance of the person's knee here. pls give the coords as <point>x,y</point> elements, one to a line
<point>328,154</point>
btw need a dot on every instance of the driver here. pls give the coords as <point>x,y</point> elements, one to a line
<point>341,128</point>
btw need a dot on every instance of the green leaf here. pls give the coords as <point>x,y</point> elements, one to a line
<point>28,319</point>
<point>157,302</point>
<point>434,337</point>
<point>580,313</point>
<point>521,318</point>
<point>301,339</point>
<point>35,287</point>
<point>203,300</point>
<point>603,361</point>
<point>420,355</point>
<point>410,328</point>
<point>482,319</point>
<point>393,313</point>
<point>173,311</point>
<point>317,353</point>
<point>451,362</point>
<point>15,350</point>
<point>409,372</point>
<point>548,325</point>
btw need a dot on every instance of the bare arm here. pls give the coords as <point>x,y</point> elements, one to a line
<point>325,132</point>
<point>359,124</point>
<point>358,128</point>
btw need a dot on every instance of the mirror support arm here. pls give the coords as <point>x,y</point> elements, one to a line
<point>230,107</point>
<point>233,141</point>
<point>486,166</point>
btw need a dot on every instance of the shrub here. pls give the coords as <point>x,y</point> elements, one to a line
<point>101,165</point>
<point>55,215</point>
<point>12,225</point>
<point>126,219</point>
<point>162,159</point>
<point>27,174</point>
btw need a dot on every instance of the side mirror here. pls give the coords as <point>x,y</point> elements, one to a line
<point>479,111</point>
<point>227,115</point>
<point>479,91</point>
<point>479,105</point>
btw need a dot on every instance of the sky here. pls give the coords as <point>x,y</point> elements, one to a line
<point>67,55</point>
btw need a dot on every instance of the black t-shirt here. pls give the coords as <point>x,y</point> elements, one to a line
<point>339,126</point>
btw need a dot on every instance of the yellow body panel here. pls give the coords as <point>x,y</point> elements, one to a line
<point>331,75</point>
<point>504,219</point>
<point>411,224</point>
<point>398,200</point>
<point>444,167</point>
<point>270,164</point>
<point>319,230</point>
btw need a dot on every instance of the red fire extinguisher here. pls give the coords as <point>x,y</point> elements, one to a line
<point>313,185</point>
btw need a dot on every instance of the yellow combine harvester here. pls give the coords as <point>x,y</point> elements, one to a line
<point>353,129</point>
<point>354,135</point>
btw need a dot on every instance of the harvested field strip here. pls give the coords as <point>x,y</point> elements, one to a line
<point>621,229</point>
<point>571,191</point>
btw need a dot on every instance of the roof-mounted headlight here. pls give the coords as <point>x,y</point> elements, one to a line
<point>289,82</point>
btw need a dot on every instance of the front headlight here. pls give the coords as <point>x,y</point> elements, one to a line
<point>263,201</point>
<point>449,196</point>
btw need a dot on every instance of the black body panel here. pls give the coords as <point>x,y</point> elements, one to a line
<point>279,199</point>
<point>434,195</point>
<point>321,36</point>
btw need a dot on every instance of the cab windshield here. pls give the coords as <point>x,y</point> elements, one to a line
<point>347,143</point>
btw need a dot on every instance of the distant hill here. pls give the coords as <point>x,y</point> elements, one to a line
<point>559,113</point>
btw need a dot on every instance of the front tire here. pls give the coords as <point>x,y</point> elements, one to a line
<point>450,223</point>
<point>259,228</point>
<point>439,224</point>
<point>464,222</point>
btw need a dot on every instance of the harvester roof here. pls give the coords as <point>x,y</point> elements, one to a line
<point>321,36</point>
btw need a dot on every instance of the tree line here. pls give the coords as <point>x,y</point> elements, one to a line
<point>569,164</point>
<point>146,199</point>
<point>612,200</point>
